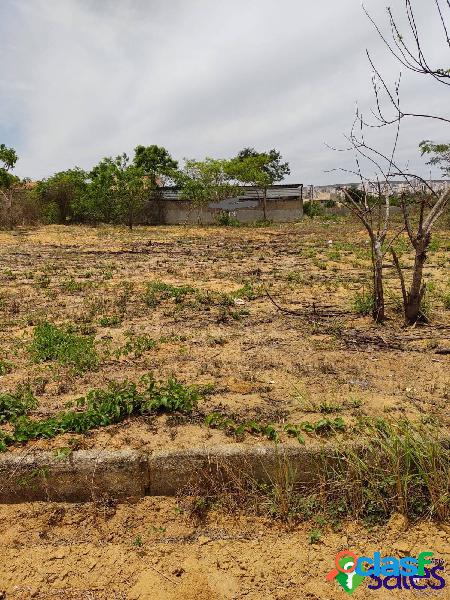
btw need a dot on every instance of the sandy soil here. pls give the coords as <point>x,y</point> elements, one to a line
<point>153,550</point>
<point>264,364</point>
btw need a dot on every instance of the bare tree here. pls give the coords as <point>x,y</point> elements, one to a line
<point>430,207</point>
<point>421,206</point>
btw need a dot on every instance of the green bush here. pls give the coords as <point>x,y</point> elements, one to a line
<point>15,404</point>
<point>55,343</point>
<point>98,408</point>
<point>363,303</point>
<point>226,219</point>
<point>157,291</point>
<point>313,209</point>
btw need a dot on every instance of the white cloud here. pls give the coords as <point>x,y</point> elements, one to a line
<point>82,79</point>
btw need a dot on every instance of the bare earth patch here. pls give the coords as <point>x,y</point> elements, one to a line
<point>154,550</point>
<point>318,359</point>
<point>263,363</point>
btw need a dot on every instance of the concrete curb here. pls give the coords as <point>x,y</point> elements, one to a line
<point>87,475</point>
<point>83,476</point>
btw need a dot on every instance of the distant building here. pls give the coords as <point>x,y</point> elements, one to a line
<point>284,204</point>
<point>334,192</point>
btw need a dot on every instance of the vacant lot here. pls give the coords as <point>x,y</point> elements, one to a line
<point>269,326</point>
<point>192,303</point>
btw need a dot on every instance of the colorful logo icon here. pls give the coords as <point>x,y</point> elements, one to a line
<point>388,572</point>
<point>345,573</point>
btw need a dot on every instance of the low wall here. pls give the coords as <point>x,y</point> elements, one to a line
<point>175,212</point>
<point>92,475</point>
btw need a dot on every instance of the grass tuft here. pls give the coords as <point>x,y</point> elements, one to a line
<point>55,343</point>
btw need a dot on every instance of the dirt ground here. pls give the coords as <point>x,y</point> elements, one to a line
<point>326,360</point>
<point>264,364</point>
<point>153,550</point>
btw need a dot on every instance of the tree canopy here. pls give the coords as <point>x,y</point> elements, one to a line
<point>209,180</point>
<point>8,159</point>
<point>263,166</point>
<point>156,163</point>
<point>441,155</point>
<point>62,194</point>
<point>117,190</point>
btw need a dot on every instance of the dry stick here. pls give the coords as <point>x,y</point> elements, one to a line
<point>162,575</point>
<point>280,308</point>
<point>316,313</point>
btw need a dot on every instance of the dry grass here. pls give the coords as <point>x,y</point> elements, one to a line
<point>263,364</point>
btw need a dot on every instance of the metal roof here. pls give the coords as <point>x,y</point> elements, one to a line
<point>248,192</point>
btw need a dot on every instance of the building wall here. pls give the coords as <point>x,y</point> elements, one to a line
<point>174,212</point>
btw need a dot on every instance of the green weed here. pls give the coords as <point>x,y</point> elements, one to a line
<point>315,536</point>
<point>55,343</point>
<point>42,280</point>
<point>99,408</point>
<point>136,345</point>
<point>5,367</point>
<point>363,303</point>
<point>226,219</point>
<point>271,431</point>
<point>15,404</point>
<point>110,321</point>
<point>158,291</point>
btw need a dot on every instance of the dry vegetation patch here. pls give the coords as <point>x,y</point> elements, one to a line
<point>83,307</point>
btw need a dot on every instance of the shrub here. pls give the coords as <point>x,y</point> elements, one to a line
<point>157,291</point>
<point>17,403</point>
<point>313,209</point>
<point>55,343</point>
<point>363,303</point>
<point>226,219</point>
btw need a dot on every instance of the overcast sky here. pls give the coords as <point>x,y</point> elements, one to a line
<point>83,79</point>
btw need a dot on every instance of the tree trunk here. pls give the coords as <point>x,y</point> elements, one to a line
<point>378,295</point>
<point>265,204</point>
<point>413,311</point>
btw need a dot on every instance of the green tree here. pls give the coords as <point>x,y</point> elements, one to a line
<point>261,169</point>
<point>63,195</point>
<point>100,201</point>
<point>441,155</point>
<point>8,159</point>
<point>156,162</point>
<point>118,190</point>
<point>206,181</point>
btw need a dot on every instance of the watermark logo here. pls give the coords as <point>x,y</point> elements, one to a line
<point>419,573</point>
<point>345,573</point>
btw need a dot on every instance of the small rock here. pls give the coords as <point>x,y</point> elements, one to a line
<point>202,540</point>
